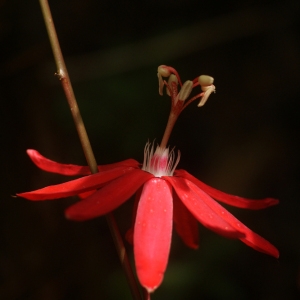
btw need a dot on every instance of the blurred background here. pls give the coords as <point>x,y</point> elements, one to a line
<point>244,141</point>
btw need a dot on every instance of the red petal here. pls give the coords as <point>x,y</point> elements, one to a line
<point>194,201</point>
<point>227,198</point>
<point>250,238</point>
<point>73,170</point>
<point>185,224</point>
<point>108,197</point>
<point>258,243</point>
<point>86,194</point>
<point>124,163</point>
<point>54,167</point>
<point>75,186</point>
<point>153,232</point>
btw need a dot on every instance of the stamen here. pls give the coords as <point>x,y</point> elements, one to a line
<point>180,99</point>
<point>185,90</point>
<point>166,71</point>
<point>160,84</point>
<point>208,90</point>
<point>206,83</point>
<point>172,84</point>
<point>205,80</point>
<point>163,71</point>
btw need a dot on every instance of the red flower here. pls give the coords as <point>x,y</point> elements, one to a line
<point>163,196</point>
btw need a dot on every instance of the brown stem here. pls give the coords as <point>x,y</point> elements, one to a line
<point>62,74</point>
<point>123,256</point>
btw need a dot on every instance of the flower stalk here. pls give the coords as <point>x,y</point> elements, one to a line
<point>63,76</point>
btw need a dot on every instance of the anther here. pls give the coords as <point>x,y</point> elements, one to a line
<point>160,84</point>
<point>207,91</point>
<point>185,90</point>
<point>172,83</point>
<point>205,80</point>
<point>163,71</point>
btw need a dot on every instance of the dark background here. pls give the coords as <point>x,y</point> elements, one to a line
<point>243,141</point>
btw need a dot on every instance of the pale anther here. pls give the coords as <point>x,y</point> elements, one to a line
<point>210,89</point>
<point>185,90</point>
<point>163,71</point>
<point>160,84</point>
<point>172,83</point>
<point>205,80</point>
<point>204,88</point>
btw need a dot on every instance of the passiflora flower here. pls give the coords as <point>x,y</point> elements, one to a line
<point>163,195</point>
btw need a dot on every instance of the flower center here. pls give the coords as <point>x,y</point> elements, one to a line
<point>160,163</point>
